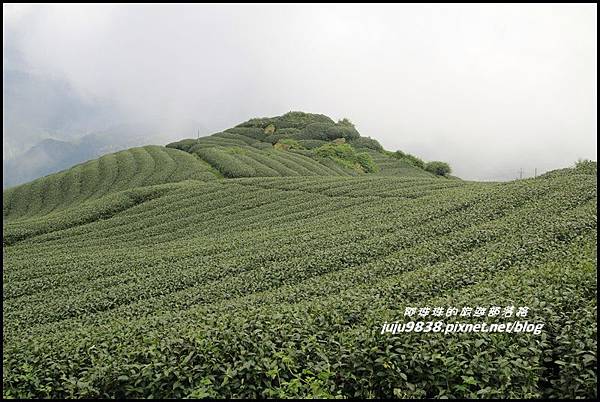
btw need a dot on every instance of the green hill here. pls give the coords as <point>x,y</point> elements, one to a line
<point>166,280</point>
<point>257,148</point>
<point>111,173</point>
<point>293,145</point>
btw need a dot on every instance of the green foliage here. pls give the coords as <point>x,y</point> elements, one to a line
<point>281,134</point>
<point>308,132</point>
<point>296,120</point>
<point>438,168</point>
<point>415,161</point>
<point>586,166</point>
<point>183,145</point>
<point>278,287</point>
<point>288,143</point>
<point>346,156</point>
<point>366,142</point>
<point>311,144</point>
<point>261,145</point>
<point>342,131</point>
<point>303,126</point>
<point>345,122</point>
<point>314,131</point>
<point>327,132</point>
<point>366,162</point>
<point>226,164</point>
<point>390,165</point>
<point>138,275</point>
<point>252,132</point>
<point>246,161</point>
<point>135,167</point>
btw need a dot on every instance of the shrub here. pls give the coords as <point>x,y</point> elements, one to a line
<point>311,144</point>
<point>260,122</point>
<point>348,133</point>
<point>288,143</point>
<point>345,122</point>
<point>314,131</point>
<point>225,162</point>
<point>346,156</point>
<point>366,162</point>
<point>183,145</point>
<point>582,166</point>
<point>415,161</point>
<point>277,287</point>
<point>305,152</point>
<point>251,132</point>
<point>300,120</point>
<point>289,132</point>
<point>586,166</point>
<point>261,145</point>
<point>438,168</point>
<point>297,120</point>
<point>366,142</point>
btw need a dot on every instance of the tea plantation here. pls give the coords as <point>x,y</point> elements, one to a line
<point>263,272</point>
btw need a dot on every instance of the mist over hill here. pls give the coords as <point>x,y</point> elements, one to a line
<point>52,155</point>
<point>37,107</point>
<point>48,126</point>
<point>299,201</point>
<point>491,89</point>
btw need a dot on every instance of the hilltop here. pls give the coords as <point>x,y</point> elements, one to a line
<point>295,144</point>
<point>300,144</point>
<point>263,261</point>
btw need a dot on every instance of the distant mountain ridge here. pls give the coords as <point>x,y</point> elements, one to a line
<point>37,107</point>
<point>53,155</point>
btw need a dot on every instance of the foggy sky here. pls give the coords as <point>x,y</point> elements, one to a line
<point>488,88</point>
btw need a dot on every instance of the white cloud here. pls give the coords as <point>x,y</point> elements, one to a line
<point>489,88</point>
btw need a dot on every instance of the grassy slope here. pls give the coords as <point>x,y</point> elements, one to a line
<point>236,155</point>
<point>242,151</point>
<point>247,149</point>
<point>92,180</point>
<point>389,166</point>
<point>279,286</point>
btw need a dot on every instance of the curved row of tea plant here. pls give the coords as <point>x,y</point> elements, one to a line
<point>111,173</point>
<point>237,161</point>
<point>278,287</point>
<point>260,148</point>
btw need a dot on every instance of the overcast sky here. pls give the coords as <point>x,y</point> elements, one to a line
<point>488,88</point>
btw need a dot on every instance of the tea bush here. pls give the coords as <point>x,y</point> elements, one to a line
<point>140,275</point>
<point>366,142</point>
<point>438,168</point>
<point>301,130</point>
<point>278,287</point>
<point>111,173</point>
<point>288,143</point>
<point>346,156</point>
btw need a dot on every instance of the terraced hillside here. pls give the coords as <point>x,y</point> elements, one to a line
<point>279,286</point>
<point>293,145</point>
<point>390,166</point>
<point>92,180</point>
